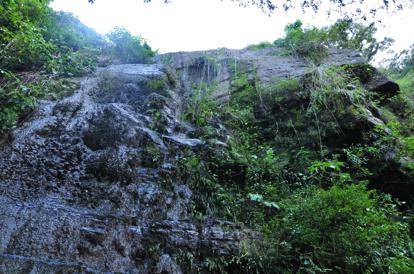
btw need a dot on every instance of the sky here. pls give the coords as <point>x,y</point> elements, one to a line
<point>187,25</point>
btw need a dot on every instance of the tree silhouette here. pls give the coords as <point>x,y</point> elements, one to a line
<point>354,8</point>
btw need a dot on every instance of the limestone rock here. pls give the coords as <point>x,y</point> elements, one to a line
<point>90,183</point>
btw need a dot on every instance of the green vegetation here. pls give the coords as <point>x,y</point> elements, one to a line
<point>333,89</point>
<point>403,62</point>
<point>129,48</point>
<point>156,84</point>
<point>401,124</point>
<point>300,167</point>
<point>34,38</point>
<point>73,64</point>
<point>200,108</point>
<point>50,46</point>
<point>313,43</point>
<point>261,45</point>
<point>302,158</point>
<point>312,194</point>
<point>346,33</point>
<point>16,99</point>
<point>304,42</point>
<point>340,230</point>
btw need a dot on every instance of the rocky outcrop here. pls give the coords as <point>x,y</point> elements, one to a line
<point>223,66</point>
<point>90,184</point>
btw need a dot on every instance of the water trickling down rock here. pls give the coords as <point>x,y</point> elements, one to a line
<point>80,190</point>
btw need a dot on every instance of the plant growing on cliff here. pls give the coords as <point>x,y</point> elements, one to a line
<point>25,49</point>
<point>16,99</point>
<point>304,42</point>
<point>72,63</point>
<point>333,89</point>
<point>201,107</point>
<point>32,35</point>
<point>129,48</point>
<point>313,43</point>
<point>35,38</point>
<point>343,230</point>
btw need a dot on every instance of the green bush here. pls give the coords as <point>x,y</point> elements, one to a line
<point>25,49</point>
<point>14,13</point>
<point>16,99</point>
<point>22,45</point>
<point>73,64</point>
<point>333,89</point>
<point>313,42</point>
<point>129,48</point>
<point>201,108</point>
<point>66,31</point>
<point>340,230</point>
<point>34,37</point>
<point>304,42</point>
<point>261,45</point>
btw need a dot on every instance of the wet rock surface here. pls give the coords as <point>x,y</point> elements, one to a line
<point>269,66</point>
<point>80,190</point>
<point>89,184</point>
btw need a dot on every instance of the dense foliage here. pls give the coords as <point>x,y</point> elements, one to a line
<point>313,203</point>
<point>129,48</point>
<point>403,62</point>
<point>52,45</point>
<point>16,99</point>
<point>343,229</point>
<point>301,168</point>
<point>345,33</point>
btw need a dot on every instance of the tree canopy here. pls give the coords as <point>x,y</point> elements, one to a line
<point>359,8</point>
<point>345,33</point>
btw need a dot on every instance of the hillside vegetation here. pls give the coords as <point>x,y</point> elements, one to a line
<point>320,166</point>
<point>41,50</point>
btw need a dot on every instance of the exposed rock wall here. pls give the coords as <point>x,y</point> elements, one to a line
<point>89,184</point>
<point>268,66</point>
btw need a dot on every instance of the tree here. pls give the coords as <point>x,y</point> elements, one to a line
<point>129,48</point>
<point>345,33</point>
<point>358,8</point>
<point>402,62</point>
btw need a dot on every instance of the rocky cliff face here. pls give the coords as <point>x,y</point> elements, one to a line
<point>92,184</point>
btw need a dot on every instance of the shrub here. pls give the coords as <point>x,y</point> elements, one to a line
<point>313,42</point>
<point>129,48</point>
<point>261,45</point>
<point>22,45</point>
<point>25,49</point>
<point>35,37</point>
<point>14,13</point>
<point>16,99</point>
<point>72,64</point>
<point>304,42</point>
<point>201,106</point>
<point>66,31</point>
<point>340,230</point>
<point>333,89</point>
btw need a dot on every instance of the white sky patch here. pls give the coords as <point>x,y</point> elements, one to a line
<point>185,25</point>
